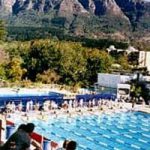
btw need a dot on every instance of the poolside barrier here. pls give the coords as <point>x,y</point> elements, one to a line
<point>9,130</point>
<point>46,145</point>
<point>9,122</point>
<point>37,137</point>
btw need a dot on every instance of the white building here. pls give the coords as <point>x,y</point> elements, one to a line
<point>144,60</point>
<point>112,80</point>
<point>115,81</point>
<point>123,90</point>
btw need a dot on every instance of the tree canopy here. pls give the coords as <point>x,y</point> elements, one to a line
<point>54,61</point>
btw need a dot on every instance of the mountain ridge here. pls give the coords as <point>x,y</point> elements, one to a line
<point>81,17</point>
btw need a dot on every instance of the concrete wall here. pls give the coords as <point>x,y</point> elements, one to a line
<point>112,80</point>
<point>144,59</point>
<point>108,80</point>
<point>148,61</point>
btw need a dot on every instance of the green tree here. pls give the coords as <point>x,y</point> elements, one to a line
<point>97,62</point>
<point>123,61</point>
<point>73,63</point>
<point>136,90</point>
<point>2,72</point>
<point>17,49</point>
<point>43,55</point>
<point>47,77</point>
<point>14,70</point>
<point>2,30</point>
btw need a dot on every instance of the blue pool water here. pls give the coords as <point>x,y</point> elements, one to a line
<point>119,131</point>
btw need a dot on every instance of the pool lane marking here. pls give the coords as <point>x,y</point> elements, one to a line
<point>103,128</point>
<point>94,132</point>
<point>131,125</point>
<point>107,136</point>
<point>82,146</point>
<point>58,135</point>
<point>66,129</point>
<point>144,129</point>
<point>120,141</point>
<point>135,146</point>
<point>146,135</point>
<point>120,127</point>
<point>115,131</point>
<point>90,139</point>
<point>126,135</point>
<point>104,144</point>
<point>83,128</point>
<point>143,141</point>
<point>92,124</point>
<point>132,131</point>
<point>76,133</point>
<point>115,148</point>
<point>144,120</point>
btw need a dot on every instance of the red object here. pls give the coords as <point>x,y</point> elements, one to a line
<point>37,137</point>
<point>9,122</point>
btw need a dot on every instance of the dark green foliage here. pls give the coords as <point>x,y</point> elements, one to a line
<point>30,33</point>
<point>43,55</point>
<point>97,61</point>
<point>2,30</point>
<point>77,25</point>
<point>104,43</point>
<point>133,58</point>
<point>59,21</point>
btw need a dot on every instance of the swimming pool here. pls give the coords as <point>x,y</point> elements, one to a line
<point>118,131</point>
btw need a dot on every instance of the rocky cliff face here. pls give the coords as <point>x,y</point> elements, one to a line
<point>120,8</point>
<point>131,12</point>
<point>134,10</point>
<point>6,5</point>
<point>71,7</point>
<point>98,7</point>
<point>16,6</point>
<point>107,6</point>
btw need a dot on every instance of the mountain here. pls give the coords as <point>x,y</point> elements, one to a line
<point>92,18</point>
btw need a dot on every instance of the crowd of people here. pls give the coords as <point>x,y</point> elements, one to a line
<point>67,106</point>
<point>11,106</point>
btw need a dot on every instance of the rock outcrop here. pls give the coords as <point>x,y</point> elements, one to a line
<point>6,5</point>
<point>105,14</point>
<point>71,7</point>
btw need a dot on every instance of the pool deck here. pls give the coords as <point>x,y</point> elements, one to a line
<point>145,109</point>
<point>73,112</point>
